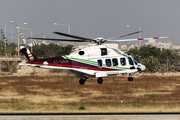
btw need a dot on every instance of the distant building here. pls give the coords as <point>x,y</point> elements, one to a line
<point>124,47</point>
<point>131,47</point>
<point>44,42</point>
<point>159,44</point>
<point>152,42</point>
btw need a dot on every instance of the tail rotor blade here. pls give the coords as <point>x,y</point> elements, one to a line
<point>17,49</point>
<point>35,42</point>
<point>22,37</point>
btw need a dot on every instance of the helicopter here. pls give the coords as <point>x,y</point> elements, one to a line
<point>93,61</point>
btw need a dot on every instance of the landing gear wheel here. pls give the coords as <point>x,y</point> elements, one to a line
<point>100,80</point>
<point>130,78</point>
<point>82,81</point>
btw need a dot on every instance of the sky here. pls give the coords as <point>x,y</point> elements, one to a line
<point>92,18</point>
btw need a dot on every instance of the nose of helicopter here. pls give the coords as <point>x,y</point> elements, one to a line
<point>141,67</point>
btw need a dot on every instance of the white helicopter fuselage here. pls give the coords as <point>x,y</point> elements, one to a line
<point>101,61</point>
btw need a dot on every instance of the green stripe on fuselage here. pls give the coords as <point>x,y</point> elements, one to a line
<point>85,61</point>
<point>94,63</point>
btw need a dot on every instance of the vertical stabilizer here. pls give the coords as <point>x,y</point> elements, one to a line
<point>30,56</point>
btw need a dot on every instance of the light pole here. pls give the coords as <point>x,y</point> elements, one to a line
<point>139,33</point>
<point>66,25</point>
<point>5,33</point>
<point>167,44</point>
<point>31,35</point>
<point>18,31</point>
<point>12,35</point>
<point>167,63</point>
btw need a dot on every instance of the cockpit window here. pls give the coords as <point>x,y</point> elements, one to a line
<point>103,51</point>
<point>123,61</point>
<point>130,61</point>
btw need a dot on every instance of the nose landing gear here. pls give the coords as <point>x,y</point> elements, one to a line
<point>130,78</point>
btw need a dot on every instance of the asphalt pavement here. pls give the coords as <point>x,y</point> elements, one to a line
<point>90,116</point>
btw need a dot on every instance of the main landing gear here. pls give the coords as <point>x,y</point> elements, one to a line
<point>82,81</point>
<point>130,78</point>
<point>100,80</point>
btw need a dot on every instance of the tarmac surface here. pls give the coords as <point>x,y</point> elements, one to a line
<point>90,116</point>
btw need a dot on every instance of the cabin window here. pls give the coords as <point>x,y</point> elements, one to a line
<point>115,62</point>
<point>108,62</point>
<point>103,51</point>
<point>130,61</point>
<point>99,63</point>
<point>123,61</point>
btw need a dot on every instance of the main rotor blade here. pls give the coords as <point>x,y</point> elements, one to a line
<point>138,39</point>
<point>130,34</point>
<point>73,36</point>
<point>70,40</point>
<point>126,35</point>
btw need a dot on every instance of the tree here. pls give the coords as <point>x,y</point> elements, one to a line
<point>151,63</point>
<point>156,59</point>
<point>64,50</point>
<point>52,50</point>
<point>146,51</point>
<point>10,48</point>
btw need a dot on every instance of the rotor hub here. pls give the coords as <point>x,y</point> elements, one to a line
<point>99,40</point>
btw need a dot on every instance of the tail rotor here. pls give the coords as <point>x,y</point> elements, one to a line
<point>25,46</point>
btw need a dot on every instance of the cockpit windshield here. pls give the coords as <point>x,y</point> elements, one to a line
<point>130,61</point>
<point>135,61</point>
<point>118,52</point>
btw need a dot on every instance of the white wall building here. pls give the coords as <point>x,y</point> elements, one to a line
<point>124,47</point>
<point>159,44</point>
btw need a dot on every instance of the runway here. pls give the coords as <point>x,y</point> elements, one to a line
<point>90,116</point>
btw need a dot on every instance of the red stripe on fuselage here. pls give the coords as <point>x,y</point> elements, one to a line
<point>73,66</point>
